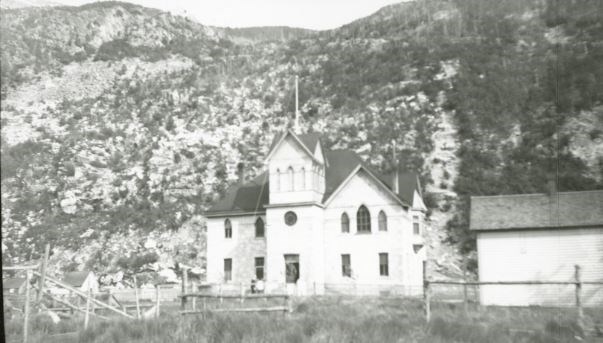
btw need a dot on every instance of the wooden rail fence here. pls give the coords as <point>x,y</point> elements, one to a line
<point>577,282</point>
<point>285,307</point>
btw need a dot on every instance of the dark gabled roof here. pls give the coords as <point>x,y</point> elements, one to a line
<point>13,283</point>
<point>248,197</point>
<point>76,279</point>
<point>253,196</point>
<point>407,184</point>
<point>534,211</point>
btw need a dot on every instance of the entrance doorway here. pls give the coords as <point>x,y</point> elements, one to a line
<point>291,268</point>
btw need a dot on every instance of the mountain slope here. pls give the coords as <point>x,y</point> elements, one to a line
<point>124,123</point>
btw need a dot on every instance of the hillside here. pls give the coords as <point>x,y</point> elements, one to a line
<point>120,124</point>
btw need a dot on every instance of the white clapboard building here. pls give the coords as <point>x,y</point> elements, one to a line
<point>318,220</point>
<point>539,237</point>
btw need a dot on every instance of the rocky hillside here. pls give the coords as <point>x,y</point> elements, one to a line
<point>120,124</point>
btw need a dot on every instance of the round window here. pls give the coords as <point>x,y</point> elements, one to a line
<point>290,218</point>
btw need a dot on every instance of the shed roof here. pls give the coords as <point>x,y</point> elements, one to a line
<point>526,211</point>
<point>13,283</point>
<point>76,279</point>
<point>253,196</point>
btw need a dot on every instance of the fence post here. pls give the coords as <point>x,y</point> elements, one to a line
<point>43,273</point>
<point>184,282</point>
<point>136,296</point>
<point>87,315</point>
<point>26,310</point>
<point>465,296</point>
<point>157,301</point>
<point>426,295</point>
<point>578,292</point>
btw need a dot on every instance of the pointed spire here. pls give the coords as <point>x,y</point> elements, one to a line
<point>395,186</point>
<point>296,123</point>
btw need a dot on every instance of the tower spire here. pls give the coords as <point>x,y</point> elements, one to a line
<point>395,185</point>
<point>296,123</point>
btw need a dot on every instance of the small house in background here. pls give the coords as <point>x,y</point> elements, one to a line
<point>82,281</point>
<point>539,237</point>
<point>13,285</point>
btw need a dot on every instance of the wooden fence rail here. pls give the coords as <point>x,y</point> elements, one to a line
<point>577,282</point>
<point>286,307</point>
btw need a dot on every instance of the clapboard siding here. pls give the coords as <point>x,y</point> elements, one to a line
<point>543,255</point>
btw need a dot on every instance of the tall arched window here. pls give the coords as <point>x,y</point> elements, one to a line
<point>363,219</point>
<point>277,183</point>
<point>259,228</point>
<point>302,175</point>
<point>290,179</point>
<point>382,221</point>
<point>345,223</point>
<point>227,229</point>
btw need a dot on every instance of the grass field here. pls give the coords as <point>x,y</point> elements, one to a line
<point>332,319</point>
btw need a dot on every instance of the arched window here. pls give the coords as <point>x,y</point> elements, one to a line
<point>277,183</point>
<point>290,178</point>
<point>345,223</point>
<point>302,175</point>
<point>382,221</point>
<point>259,228</point>
<point>227,229</point>
<point>363,219</point>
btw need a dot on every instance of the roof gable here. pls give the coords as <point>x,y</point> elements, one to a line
<point>308,142</point>
<point>528,211</point>
<point>253,196</point>
<point>76,279</point>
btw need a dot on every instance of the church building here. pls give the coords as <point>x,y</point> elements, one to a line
<point>318,221</point>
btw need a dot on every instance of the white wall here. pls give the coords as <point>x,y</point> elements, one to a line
<point>405,266</point>
<point>291,154</point>
<point>243,247</point>
<point>304,238</point>
<point>545,255</point>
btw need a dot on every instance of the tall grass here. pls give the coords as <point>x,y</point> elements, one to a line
<point>332,319</point>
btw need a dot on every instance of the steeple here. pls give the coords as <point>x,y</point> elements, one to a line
<point>395,181</point>
<point>296,123</point>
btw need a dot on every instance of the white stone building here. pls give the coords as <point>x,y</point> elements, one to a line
<point>316,221</point>
<point>539,237</point>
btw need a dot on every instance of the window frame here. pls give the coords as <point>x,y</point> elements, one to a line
<point>227,273</point>
<point>261,267</point>
<point>263,228</point>
<point>382,221</point>
<point>383,267</point>
<point>363,220</point>
<point>345,216</point>
<point>346,269</point>
<point>416,225</point>
<point>227,228</point>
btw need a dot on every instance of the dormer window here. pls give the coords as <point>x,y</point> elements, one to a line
<point>227,229</point>
<point>363,220</point>
<point>382,221</point>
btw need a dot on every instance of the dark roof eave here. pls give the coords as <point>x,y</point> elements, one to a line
<point>231,213</point>
<point>525,228</point>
